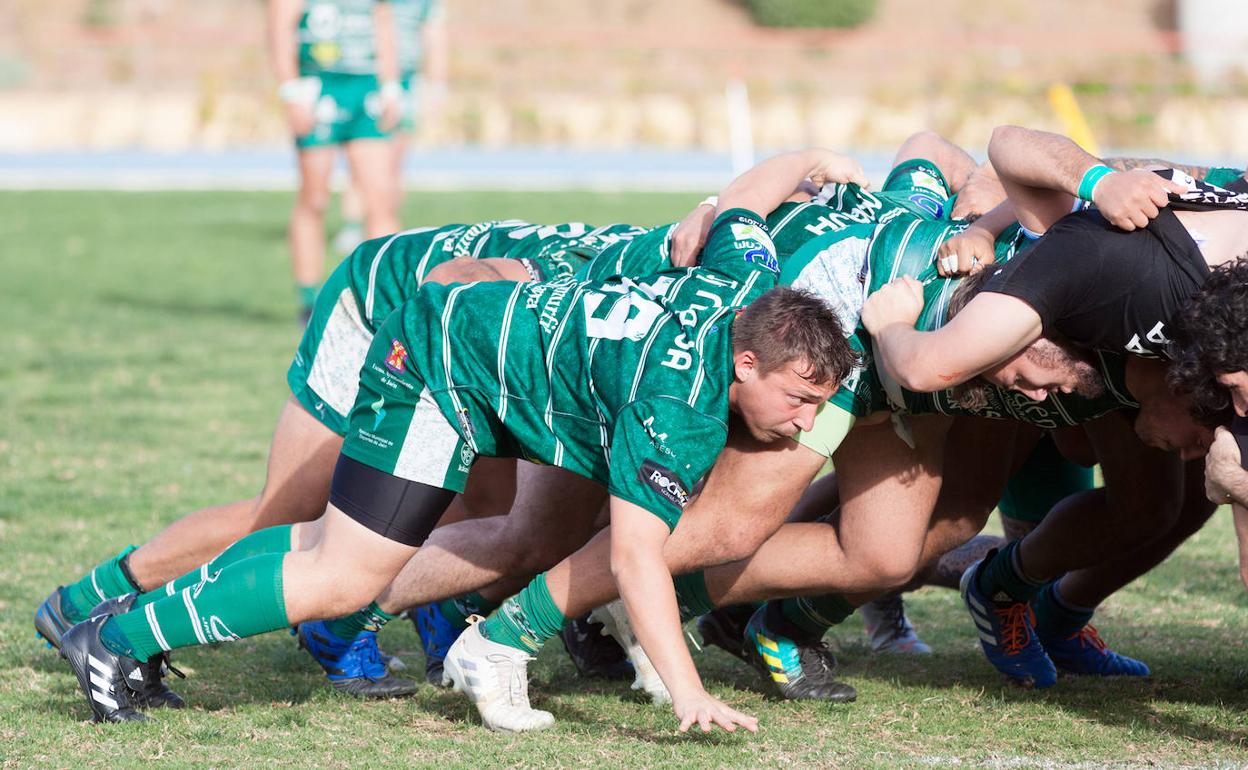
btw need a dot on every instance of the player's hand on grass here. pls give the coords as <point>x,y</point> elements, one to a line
<point>690,235</point>
<point>301,118</point>
<point>981,193</point>
<point>836,168</point>
<point>704,710</point>
<point>898,302</point>
<point>966,253</point>
<point>1129,199</point>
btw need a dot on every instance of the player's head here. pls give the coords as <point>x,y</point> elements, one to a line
<point>1043,367</point>
<point>1211,343</point>
<point>789,354</point>
<point>1165,420</point>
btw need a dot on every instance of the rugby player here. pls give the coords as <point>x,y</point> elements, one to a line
<point>429,403</point>
<point>1211,364</point>
<point>890,461</point>
<point>1097,280</point>
<point>378,277</point>
<point>337,69</point>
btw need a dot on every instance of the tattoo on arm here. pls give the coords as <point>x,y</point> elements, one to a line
<point>1128,164</point>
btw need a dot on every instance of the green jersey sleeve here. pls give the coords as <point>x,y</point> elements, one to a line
<point>660,448</point>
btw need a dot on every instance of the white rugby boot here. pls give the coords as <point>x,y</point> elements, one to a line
<point>495,677</point>
<point>615,622</point>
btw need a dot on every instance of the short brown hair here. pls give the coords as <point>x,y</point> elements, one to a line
<point>786,325</point>
<point>972,394</point>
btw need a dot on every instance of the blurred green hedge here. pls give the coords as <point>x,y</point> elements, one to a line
<point>811,13</point>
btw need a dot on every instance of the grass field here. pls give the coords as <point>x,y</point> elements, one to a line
<point>144,340</point>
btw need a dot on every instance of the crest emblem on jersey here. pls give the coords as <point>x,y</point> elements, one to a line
<point>397,358</point>
<point>743,231</point>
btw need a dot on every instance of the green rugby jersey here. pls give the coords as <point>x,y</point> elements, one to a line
<point>910,193</point>
<point>336,36</point>
<point>385,272</point>
<point>883,253</point>
<point>622,381</point>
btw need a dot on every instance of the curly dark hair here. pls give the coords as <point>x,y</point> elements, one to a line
<point>1211,338</point>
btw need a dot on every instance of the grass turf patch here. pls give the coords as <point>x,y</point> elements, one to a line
<point>142,366</point>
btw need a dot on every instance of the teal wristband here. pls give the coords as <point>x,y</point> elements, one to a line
<point>1091,177</point>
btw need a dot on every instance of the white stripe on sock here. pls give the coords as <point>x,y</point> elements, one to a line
<point>149,612</point>
<point>190,610</point>
<point>96,586</point>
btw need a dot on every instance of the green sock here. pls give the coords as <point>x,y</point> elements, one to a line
<point>268,540</point>
<point>811,615</point>
<point>371,618</point>
<point>245,599</point>
<point>460,608</point>
<point>691,595</point>
<point>1057,618</point>
<point>526,620</point>
<point>1001,576</point>
<point>107,580</point>
<point>307,295</point>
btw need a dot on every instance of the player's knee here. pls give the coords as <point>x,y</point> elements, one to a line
<point>888,569</point>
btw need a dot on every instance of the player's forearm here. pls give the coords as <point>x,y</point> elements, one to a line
<point>1038,159</point>
<point>646,587</point>
<point>283,50</point>
<point>913,359</point>
<point>999,218</point>
<point>386,43</point>
<point>1129,164</point>
<point>765,186</point>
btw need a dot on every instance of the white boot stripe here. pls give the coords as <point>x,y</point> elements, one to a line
<point>100,681</point>
<point>104,699</point>
<point>97,664</point>
<point>987,638</point>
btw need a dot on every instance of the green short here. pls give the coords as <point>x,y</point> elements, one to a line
<point>347,108</point>
<point>324,377</point>
<point>396,425</point>
<point>1045,479</point>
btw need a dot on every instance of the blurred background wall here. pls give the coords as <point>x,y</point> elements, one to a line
<point>177,75</point>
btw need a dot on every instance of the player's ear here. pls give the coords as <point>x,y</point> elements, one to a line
<point>744,364</point>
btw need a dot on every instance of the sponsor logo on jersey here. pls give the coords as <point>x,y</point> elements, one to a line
<point>764,258</point>
<point>1156,339</point>
<point>465,423</point>
<point>466,456</point>
<point>664,482</point>
<point>928,204</point>
<point>752,235</point>
<point>397,358</point>
<point>379,412</point>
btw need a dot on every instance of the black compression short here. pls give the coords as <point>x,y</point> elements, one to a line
<point>400,510</point>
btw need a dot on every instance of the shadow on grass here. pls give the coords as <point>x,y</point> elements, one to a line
<point>1121,702</point>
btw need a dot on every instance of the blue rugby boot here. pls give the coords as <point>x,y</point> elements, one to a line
<point>353,666</point>
<point>1007,634</point>
<point>1084,652</point>
<point>437,633</point>
<point>799,669</point>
